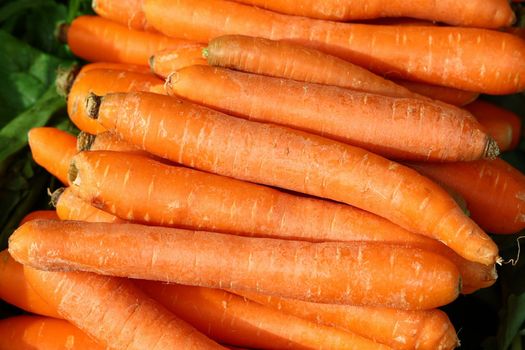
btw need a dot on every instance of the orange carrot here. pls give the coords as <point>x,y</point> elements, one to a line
<point>39,214</point>
<point>400,329</point>
<point>43,333</point>
<point>15,290</point>
<point>128,12</point>
<point>494,191</point>
<point>116,66</point>
<point>208,140</point>
<point>165,62</point>
<point>488,61</point>
<point>502,124</point>
<point>398,128</point>
<point>518,31</point>
<point>234,320</point>
<point>476,13</point>
<point>101,82</point>
<point>106,141</point>
<point>446,94</point>
<point>115,312</point>
<point>360,273</point>
<point>97,39</point>
<point>52,149</point>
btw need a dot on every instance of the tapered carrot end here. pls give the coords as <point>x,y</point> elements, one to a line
<point>65,79</point>
<point>55,196</point>
<point>491,149</point>
<point>85,141</point>
<point>93,105</point>
<point>20,241</point>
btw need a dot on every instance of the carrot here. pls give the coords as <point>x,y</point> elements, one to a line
<point>400,329</point>
<point>518,31</point>
<point>106,141</point>
<point>278,156</point>
<point>97,39</point>
<point>502,124</point>
<point>478,13</point>
<point>115,312</point>
<point>101,82</point>
<point>43,333</point>
<point>128,12</point>
<point>494,191</point>
<point>151,189</point>
<point>399,128</point>
<point>16,291</point>
<point>446,94</point>
<point>234,320</point>
<point>361,273</point>
<point>165,62</point>
<point>488,61</point>
<point>39,214</point>
<point>52,149</point>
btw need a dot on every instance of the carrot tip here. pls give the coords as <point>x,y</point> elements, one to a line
<point>62,33</point>
<point>65,79</point>
<point>92,105</point>
<point>55,196</point>
<point>72,173</point>
<point>84,141</point>
<point>491,149</point>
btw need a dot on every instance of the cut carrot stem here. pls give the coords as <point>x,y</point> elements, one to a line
<point>235,320</point>
<point>360,273</point>
<point>126,12</point>
<point>398,128</point>
<point>503,125</point>
<point>115,312</point>
<point>442,93</point>
<point>40,214</point>
<point>494,191</point>
<point>15,290</point>
<point>102,81</point>
<point>97,39</point>
<point>488,61</point>
<point>400,329</point>
<point>52,149</point>
<point>43,333</point>
<point>477,13</point>
<point>278,156</point>
<point>166,62</point>
<point>152,188</point>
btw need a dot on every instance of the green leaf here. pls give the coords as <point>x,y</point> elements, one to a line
<point>512,321</point>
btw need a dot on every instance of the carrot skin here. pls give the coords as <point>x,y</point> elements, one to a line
<point>125,12</point>
<point>39,214</point>
<point>446,94</point>
<point>116,66</point>
<point>165,62</point>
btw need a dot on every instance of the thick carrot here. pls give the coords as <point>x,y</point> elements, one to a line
<point>494,191</point>
<point>398,128</point>
<point>446,94</point>
<point>165,62</point>
<point>487,61</point>
<point>362,273</point>
<point>115,312</point>
<point>101,81</point>
<point>116,66</point>
<point>476,13</point>
<point>208,140</point>
<point>400,329</point>
<point>232,319</point>
<point>106,141</point>
<point>52,149</point>
<point>15,290</point>
<point>97,39</point>
<point>39,214</point>
<point>126,12</point>
<point>43,333</point>
<point>502,124</point>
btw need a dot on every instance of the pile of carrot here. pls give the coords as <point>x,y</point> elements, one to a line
<point>271,175</point>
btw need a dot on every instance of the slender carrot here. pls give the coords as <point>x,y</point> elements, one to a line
<point>39,214</point>
<point>101,82</point>
<point>502,124</point>
<point>43,333</point>
<point>278,156</point>
<point>235,320</point>
<point>361,273</point>
<point>494,191</point>
<point>127,12</point>
<point>400,329</point>
<point>116,66</point>
<point>165,62</point>
<point>115,312</point>
<point>487,61</point>
<point>398,128</point>
<point>16,291</point>
<point>158,194</point>
<point>97,39</point>
<point>446,94</point>
<point>476,13</point>
<point>52,149</point>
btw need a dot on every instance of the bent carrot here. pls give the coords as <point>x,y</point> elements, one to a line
<point>128,12</point>
<point>494,191</point>
<point>398,128</point>
<point>15,290</point>
<point>442,93</point>
<point>276,156</point>
<point>502,124</point>
<point>361,273</point>
<point>52,149</point>
<point>43,333</point>
<point>400,329</point>
<point>165,62</point>
<point>97,39</point>
<point>476,13</point>
<point>101,82</point>
<point>488,61</point>
<point>39,214</point>
<point>234,320</point>
<point>115,312</point>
